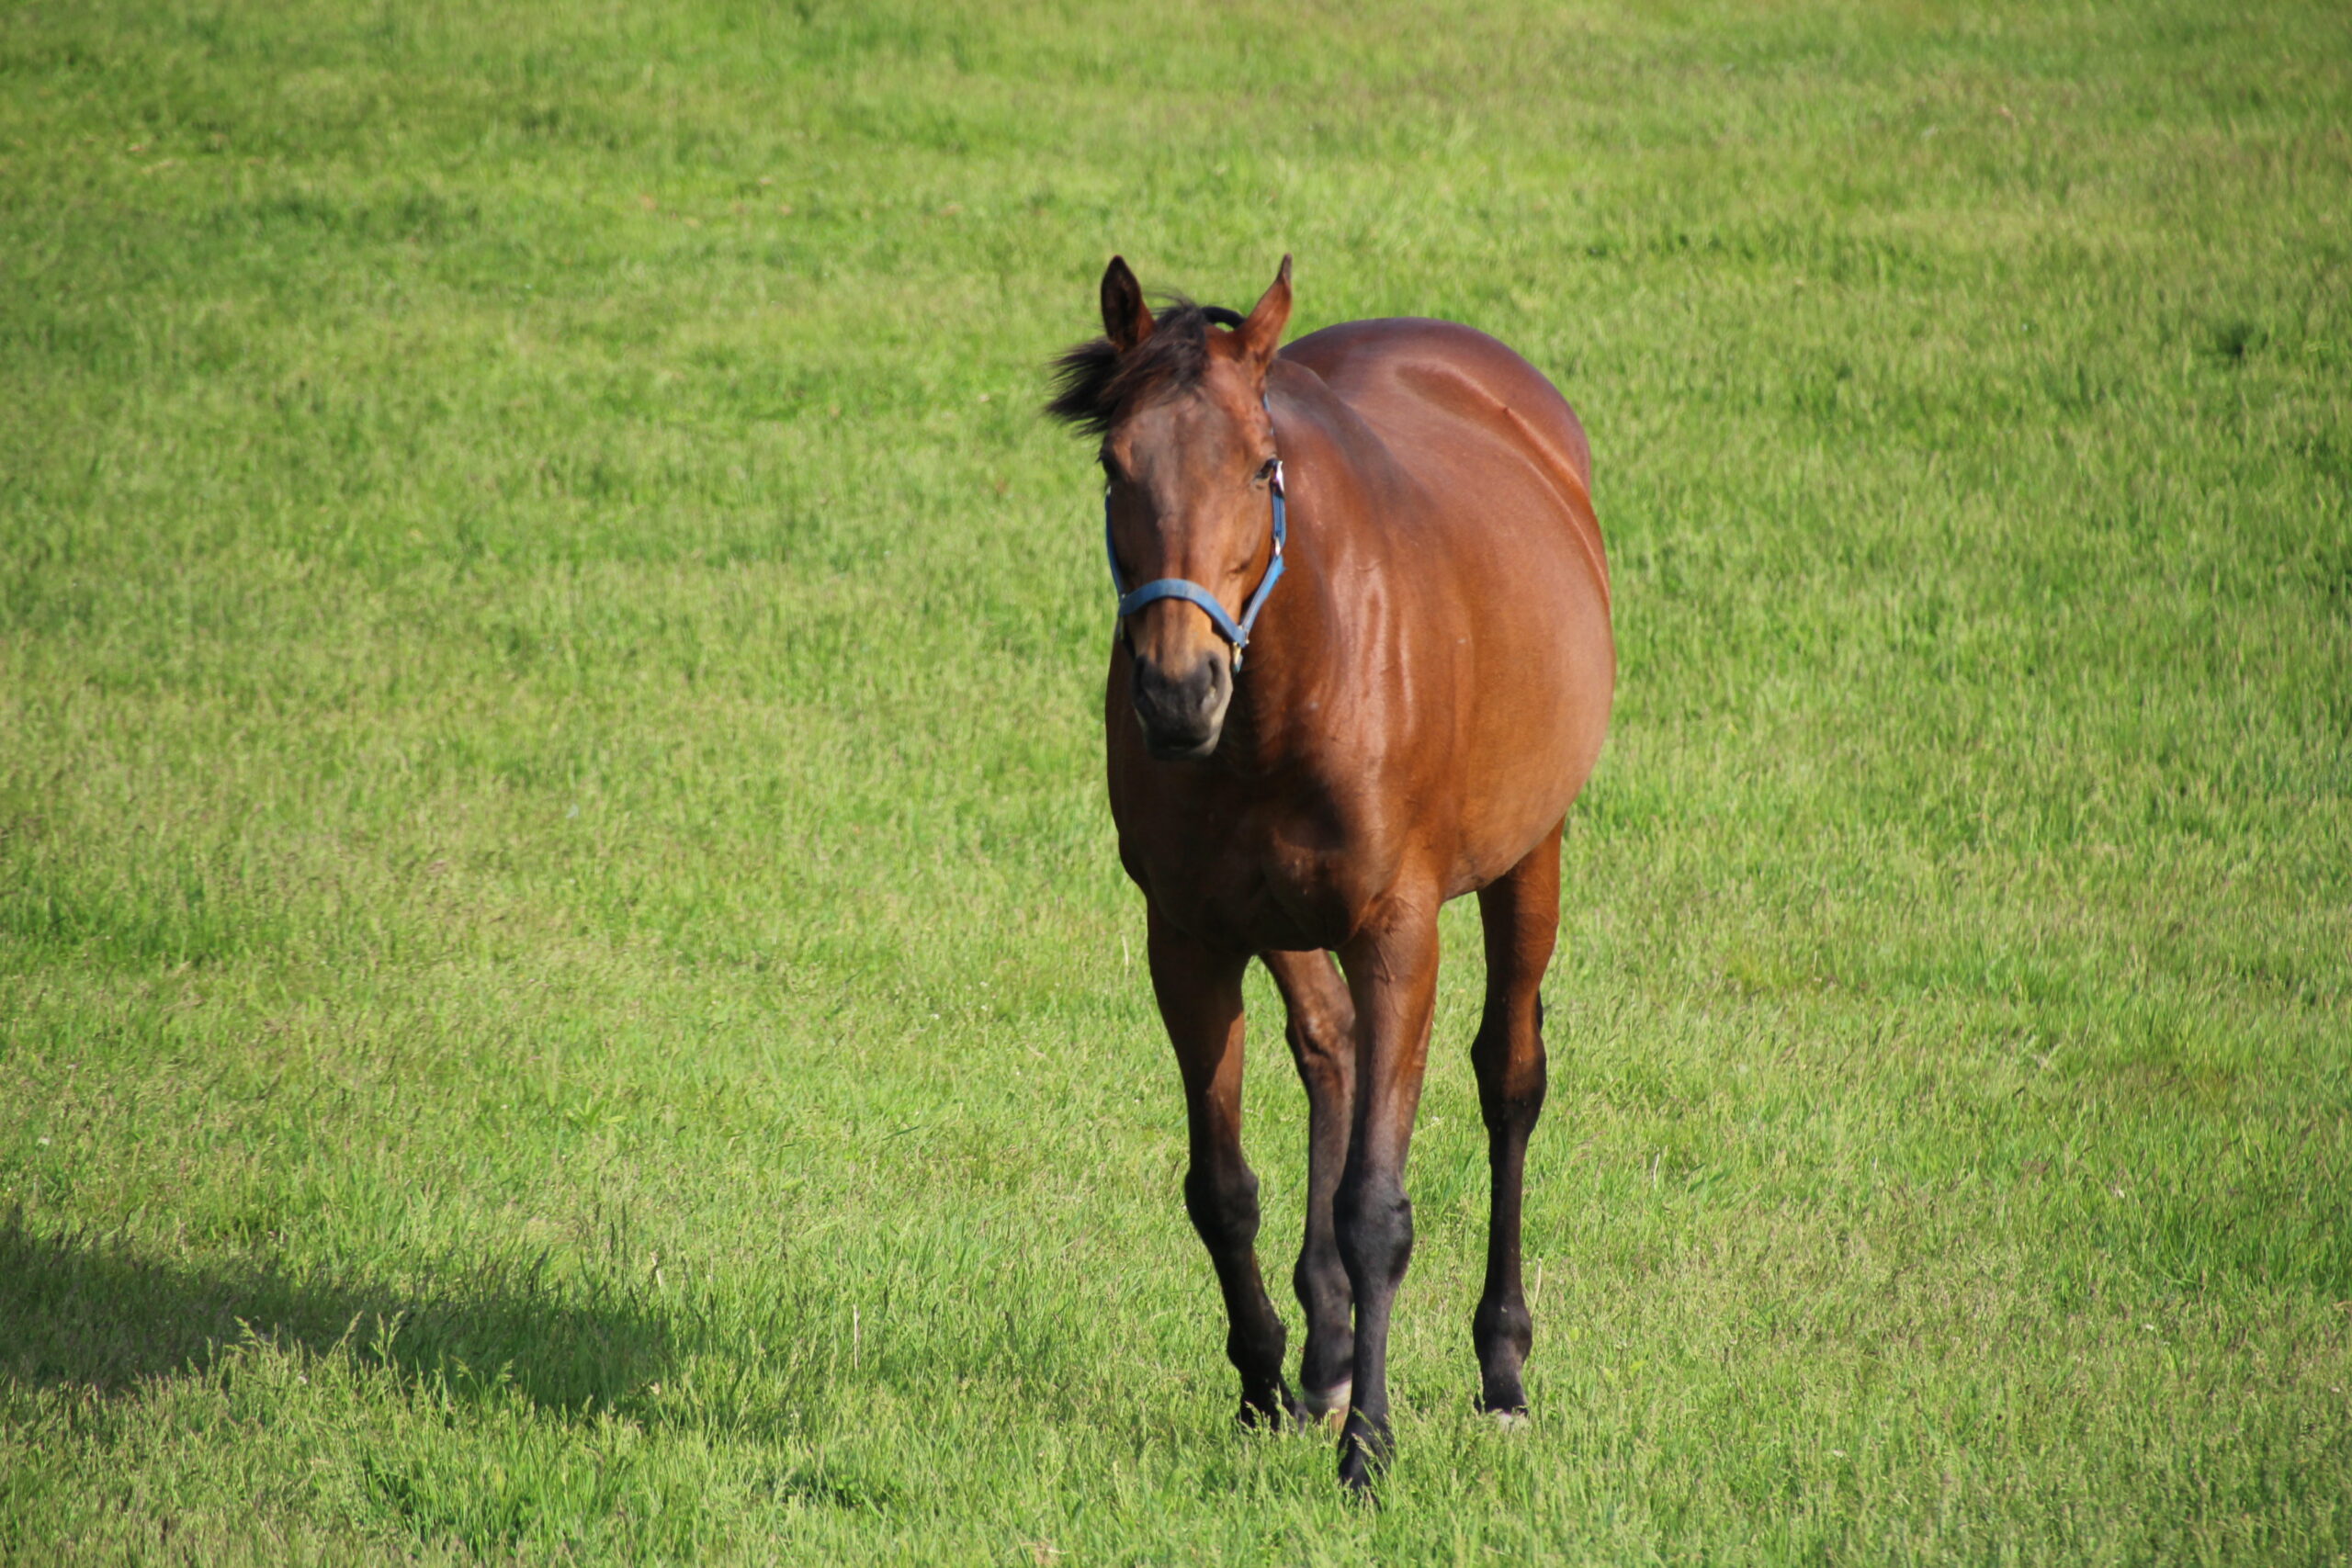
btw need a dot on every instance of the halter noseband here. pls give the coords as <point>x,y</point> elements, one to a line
<point>1233,631</point>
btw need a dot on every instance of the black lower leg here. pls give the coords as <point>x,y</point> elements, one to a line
<point>1511,1093</point>
<point>1502,1329</point>
<point>1376,1226</point>
<point>1321,1031</point>
<point>1223,1202</point>
<point>1392,978</point>
<point>1321,1280</point>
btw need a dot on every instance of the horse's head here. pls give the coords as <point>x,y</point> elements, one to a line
<point>1188,451</point>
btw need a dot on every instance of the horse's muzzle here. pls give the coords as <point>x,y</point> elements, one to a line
<point>1182,714</point>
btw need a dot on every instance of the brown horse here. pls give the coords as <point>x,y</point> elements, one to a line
<point>1423,696</point>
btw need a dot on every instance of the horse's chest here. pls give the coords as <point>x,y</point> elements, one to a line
<point>1246,875</point>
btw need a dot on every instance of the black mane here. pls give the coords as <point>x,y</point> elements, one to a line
<point>1094,384</point>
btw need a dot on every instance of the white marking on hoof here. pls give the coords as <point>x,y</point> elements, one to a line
<point>1327,1404</point>
<point>1509,1420</point>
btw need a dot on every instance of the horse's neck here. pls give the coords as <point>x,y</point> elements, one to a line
<point>1281,697</point>
<point>1287,697</point>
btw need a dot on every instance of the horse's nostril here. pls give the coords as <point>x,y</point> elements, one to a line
<point>1179,714</point>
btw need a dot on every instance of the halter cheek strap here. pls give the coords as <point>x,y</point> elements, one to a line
<point>1233,631</point>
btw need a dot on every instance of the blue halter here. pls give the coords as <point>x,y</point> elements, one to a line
<point>1233,631</point>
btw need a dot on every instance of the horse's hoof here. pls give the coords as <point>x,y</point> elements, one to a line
<point>1504,1403</point>
<point>1364,1447</point>
<point>1325,1406</point>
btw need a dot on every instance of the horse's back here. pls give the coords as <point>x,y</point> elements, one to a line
<point>1399,372</point>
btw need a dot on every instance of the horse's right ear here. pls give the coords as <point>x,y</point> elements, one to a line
<point>1126,320</point>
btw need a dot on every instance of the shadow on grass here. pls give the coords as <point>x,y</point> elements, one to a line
<point>77,1312</point>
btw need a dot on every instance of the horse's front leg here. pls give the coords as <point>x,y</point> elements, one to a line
<point>1322,1032</point>
<point>1200,1000</point>
<point>1391,975</point>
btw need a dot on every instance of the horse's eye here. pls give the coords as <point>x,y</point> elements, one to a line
<point>1266,470</point>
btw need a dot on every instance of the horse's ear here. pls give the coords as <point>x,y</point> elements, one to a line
<point>1263,333</point>
<point>1126,320</point>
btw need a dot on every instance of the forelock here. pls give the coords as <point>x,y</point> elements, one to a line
<point>1095,385</point>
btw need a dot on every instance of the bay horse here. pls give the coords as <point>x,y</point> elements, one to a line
<point>1365,668</point>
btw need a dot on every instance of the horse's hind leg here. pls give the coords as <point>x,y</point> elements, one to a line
<point>1200,1000</point>
<point>1322,1042</point>
<point>1520,913</point>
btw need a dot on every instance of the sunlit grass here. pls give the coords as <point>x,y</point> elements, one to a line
<point>564,986</point>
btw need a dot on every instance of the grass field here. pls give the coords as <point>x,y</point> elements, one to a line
<point>564,991</point>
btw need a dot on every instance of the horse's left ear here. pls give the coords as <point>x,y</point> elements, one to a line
<point>1263,333</point>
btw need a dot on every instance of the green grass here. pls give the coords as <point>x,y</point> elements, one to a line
<point>564,991</point>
